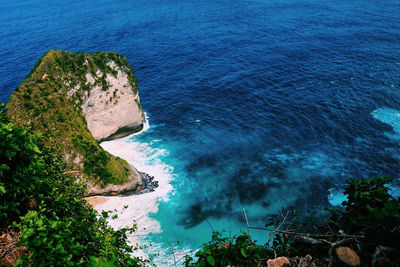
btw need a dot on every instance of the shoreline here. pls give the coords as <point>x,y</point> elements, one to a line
<point>136,207</point>
<point>148,184</point>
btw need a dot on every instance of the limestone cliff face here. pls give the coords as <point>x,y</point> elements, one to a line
<point>115,110</point>
<point>76,100</point>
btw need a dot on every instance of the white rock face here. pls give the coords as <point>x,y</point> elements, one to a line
<point>107,111</point>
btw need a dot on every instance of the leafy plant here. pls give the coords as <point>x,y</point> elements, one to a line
<point>370,210</point>
<point>39,200</point>
<point>224,251</point>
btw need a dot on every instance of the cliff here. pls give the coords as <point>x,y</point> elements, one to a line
<point>114,111</point>
<point>76,100</point>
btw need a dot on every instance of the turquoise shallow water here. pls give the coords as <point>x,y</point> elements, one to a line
<point>264,105</point>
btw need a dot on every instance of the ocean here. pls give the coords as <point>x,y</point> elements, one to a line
<point>261,105</point>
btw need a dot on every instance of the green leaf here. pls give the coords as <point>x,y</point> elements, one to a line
<point>199,253</point>
<point>211,260</point>
<point>244,252</point>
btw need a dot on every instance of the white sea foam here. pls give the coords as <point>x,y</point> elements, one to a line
<point>146,125</point>
<point>390,117</point>
<point>336,196</point>
<point>146,159</point>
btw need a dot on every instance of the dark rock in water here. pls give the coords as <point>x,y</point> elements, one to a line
<point>149,184</point>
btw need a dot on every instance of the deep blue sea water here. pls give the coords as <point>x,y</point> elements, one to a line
<point>266,105</point>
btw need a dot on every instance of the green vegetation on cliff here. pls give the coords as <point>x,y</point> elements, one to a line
<point>44,103</point>
<point>43,220</point>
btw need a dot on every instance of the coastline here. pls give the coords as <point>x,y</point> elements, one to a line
<point>135,208</point>
<point>136,187</point>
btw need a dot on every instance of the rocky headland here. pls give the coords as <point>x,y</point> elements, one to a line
<point>76,100</point>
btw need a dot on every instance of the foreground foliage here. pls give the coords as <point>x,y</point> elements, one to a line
<point>225,251</point>
<point>372,211</point>
<point>38,200</point>
<point>368,223</point>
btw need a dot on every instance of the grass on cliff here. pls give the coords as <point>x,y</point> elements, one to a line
<point>41,104</point>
